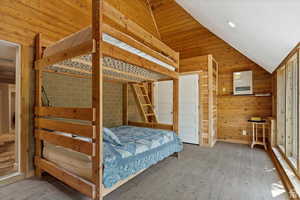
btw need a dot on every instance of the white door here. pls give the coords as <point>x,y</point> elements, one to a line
<point>189,108</point>
<point>163,101</point>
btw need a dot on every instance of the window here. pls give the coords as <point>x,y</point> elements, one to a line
<point>288,111</point>
<point>281,109</point>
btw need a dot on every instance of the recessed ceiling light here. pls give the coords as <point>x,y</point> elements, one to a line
<point>231,24</point>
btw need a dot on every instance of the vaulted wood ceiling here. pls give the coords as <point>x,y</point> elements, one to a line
<point>183,33</point>
<point>179,30</point>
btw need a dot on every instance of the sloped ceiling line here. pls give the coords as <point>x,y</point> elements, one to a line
<point>266,31</point>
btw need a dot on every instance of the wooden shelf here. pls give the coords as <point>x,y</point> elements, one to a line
<point>249,95</point>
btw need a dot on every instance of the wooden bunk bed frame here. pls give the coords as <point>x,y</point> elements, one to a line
<point>71,47</point>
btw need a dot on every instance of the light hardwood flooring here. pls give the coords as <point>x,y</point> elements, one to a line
<point>225,172</point>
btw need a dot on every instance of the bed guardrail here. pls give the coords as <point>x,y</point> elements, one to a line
<point>45,128</point>
<point>168,127</point>
<point>90,42</point>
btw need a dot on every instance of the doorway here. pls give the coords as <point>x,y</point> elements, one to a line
<point>9,109</point>
<point>188,106</point>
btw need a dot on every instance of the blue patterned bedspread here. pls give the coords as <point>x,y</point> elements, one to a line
<point>142,147</point>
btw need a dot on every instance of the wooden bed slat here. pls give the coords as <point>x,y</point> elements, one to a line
<point>123,55</point>
<point>136,44</point>
<point>78,60</point>
<point>69,113</point>
<point>72,180</point>
<point>81,49</point>
<point>76,129</point>
<point>109,78</point>
<point>106,191</point>
<point>38,98</point>
<point>133,28</point>
<point>152,125</point>
<point>67,74</point>
<point>67,142</point>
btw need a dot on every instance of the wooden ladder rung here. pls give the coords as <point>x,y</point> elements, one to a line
<point>146,105</point>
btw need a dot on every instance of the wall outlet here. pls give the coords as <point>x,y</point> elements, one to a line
<point>244,132</point>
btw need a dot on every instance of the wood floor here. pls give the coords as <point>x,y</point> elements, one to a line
<point>226,172</point>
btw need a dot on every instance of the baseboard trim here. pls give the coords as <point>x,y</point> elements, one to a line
<point>283,175</point>
<point>233,141</point>
<point>12,179</point>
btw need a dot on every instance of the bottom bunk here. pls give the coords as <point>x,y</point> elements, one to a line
<point>128,151</point>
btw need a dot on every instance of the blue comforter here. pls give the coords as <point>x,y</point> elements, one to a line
<point>142,147</point>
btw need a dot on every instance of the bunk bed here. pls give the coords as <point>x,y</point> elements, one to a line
<point>104,158</point>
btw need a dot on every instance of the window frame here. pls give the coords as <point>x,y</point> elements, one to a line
<point>282,75</point>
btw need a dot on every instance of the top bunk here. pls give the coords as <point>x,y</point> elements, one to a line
<point>130,55</point>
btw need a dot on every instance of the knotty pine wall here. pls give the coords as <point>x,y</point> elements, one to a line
<point>184,34</point>
<point>21,20</point>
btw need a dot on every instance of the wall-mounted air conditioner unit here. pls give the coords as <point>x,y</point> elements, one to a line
<point>242,83</point>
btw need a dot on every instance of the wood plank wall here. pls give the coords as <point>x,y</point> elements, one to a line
<point>21,20</point>
<point>55,19</point>
<point>204,110</point>
<point>184,34</point>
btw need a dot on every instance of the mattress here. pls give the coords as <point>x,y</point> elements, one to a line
<point>141,148</point>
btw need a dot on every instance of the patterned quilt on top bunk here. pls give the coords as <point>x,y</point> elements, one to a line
<point>134,149</point>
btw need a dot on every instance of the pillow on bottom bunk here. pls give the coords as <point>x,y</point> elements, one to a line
<point>110,137</point>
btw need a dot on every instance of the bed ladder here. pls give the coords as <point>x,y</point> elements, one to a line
<point>143,100</point>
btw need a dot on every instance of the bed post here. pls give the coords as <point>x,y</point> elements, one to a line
<point>176,100</point>
<point>97,82</point>
<point>175,107</point>
<point>151,92</point>
<point>38,103</point>
<point>210,100</point>
<point>125,104</point>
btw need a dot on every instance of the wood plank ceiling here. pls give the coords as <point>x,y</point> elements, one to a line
<point>183,33</point>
